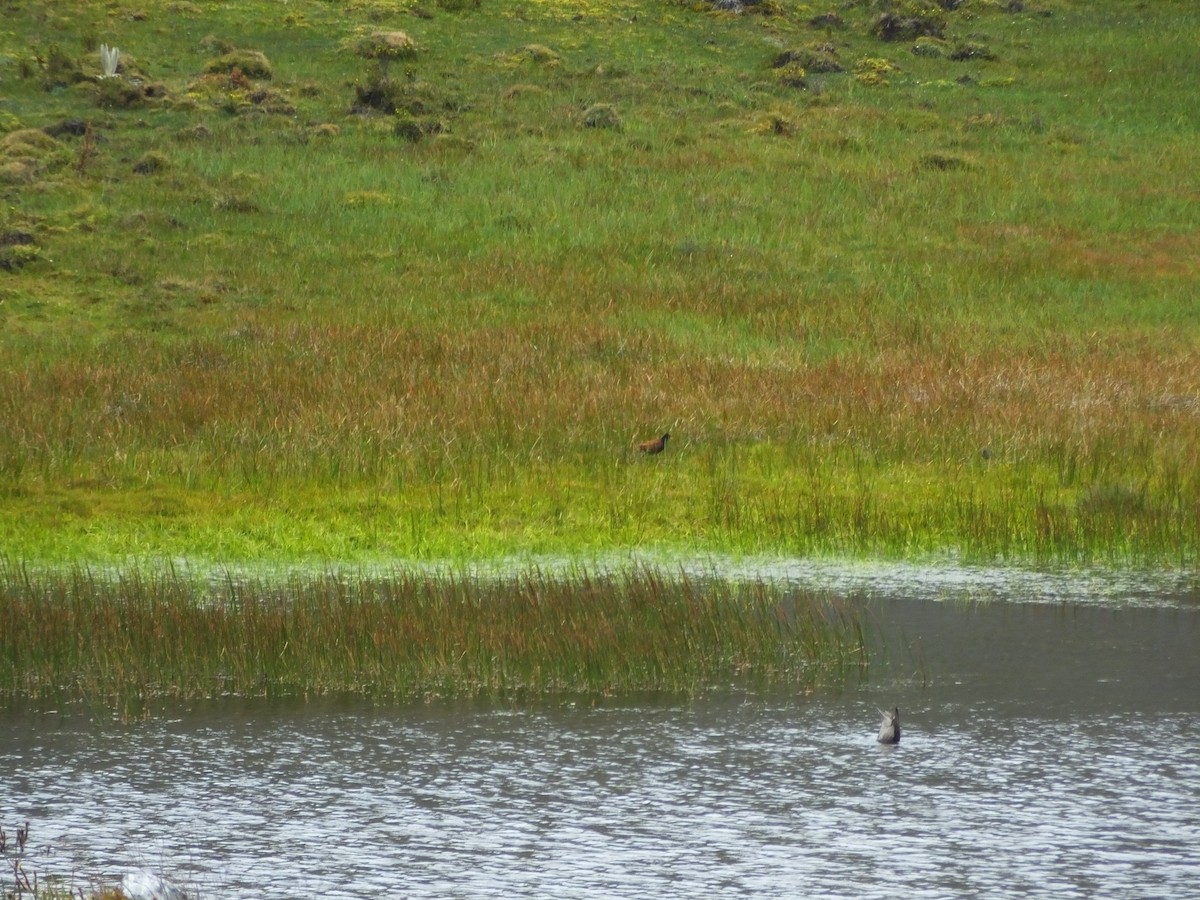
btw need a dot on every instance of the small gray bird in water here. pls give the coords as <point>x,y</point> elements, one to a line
<point>889,728</point>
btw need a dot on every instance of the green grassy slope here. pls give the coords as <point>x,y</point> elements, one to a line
<point>892,297</point>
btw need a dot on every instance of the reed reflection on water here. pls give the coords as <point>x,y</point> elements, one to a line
<point>1047,751</point>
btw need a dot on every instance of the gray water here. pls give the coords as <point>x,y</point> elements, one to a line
<point>1049,749</point>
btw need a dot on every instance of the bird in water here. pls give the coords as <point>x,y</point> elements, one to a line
<point>889,728</point>
<point>658,445</point>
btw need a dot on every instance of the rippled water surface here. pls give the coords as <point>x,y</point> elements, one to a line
<point>1049,749</point>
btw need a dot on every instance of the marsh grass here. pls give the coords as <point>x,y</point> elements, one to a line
<point>136,639</point>
<point>245,321</point>
<point>20,878</point>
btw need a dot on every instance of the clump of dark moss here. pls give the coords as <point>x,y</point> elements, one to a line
<point>150,162</point>
<point>149,220</point>
<point>272,102</point>
<point>377,94</point>
<point>67,127</point>
<point>200,132</point>
<point>776,124</point>
<point>415,128</point>
<point>764,7</point>
<point>253,64</point>
<point>408,128</point>
<point>760,7</point>
<point>601,115</point>
<point>234,203</point>
<point>827,20</point>
<point>971,50</point>
<point>379,91</point>
<point>929,47</point>
<point>814,58</point>
<point>417,98</point>
<point>18,248</point>
<point>910,20</point>
<point>59,69</point>
<point>944,162</point>
<point>237,94</point>
<point>210,43</point>
<point>119,93</point>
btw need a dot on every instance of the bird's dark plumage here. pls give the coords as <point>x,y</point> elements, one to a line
<point>889,728</point>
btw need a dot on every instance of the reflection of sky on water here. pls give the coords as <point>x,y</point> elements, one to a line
<point>944,579</point>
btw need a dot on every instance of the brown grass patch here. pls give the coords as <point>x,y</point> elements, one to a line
<point>1131,256</point>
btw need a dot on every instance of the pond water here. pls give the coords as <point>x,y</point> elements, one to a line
<point>1048,749</point>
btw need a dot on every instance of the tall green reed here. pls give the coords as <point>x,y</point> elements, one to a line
<point>137,636</point>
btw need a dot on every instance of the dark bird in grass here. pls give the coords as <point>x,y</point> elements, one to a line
<point>889,728</point>
<point>658,445</point>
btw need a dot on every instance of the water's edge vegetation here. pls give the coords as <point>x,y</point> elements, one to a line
<point>131,640</point>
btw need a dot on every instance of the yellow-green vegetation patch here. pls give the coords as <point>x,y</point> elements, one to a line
<point>874,70</point>
<point>791,75</point>
<point>776,123</point>
<point>368,198</point>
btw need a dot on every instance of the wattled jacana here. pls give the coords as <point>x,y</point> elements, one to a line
<point>655,446</point>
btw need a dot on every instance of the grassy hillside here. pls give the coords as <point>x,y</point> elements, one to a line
<point>898,279</point>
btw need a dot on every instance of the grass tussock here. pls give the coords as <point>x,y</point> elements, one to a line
<point>136,638</point>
